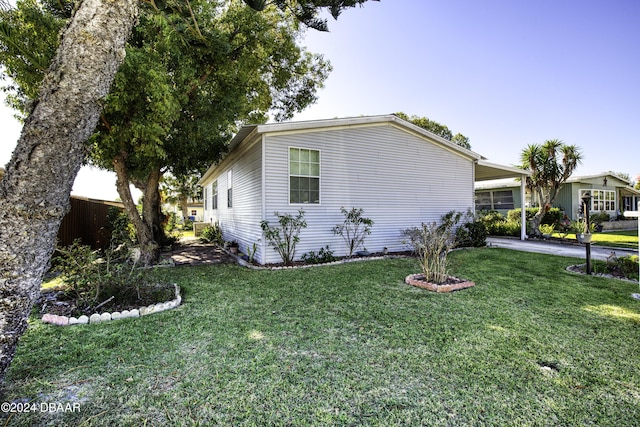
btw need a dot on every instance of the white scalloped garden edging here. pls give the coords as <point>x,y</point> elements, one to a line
<point>116,315</point>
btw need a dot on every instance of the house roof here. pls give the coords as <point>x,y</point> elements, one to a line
<point>600,175</point>
<point>625,189</point>
<point>484,170</point>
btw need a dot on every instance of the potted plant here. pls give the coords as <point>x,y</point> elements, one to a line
<point>580,228</point>
<point>598,218</point>
<point>546,230</point>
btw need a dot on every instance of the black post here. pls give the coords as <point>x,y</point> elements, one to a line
<point>586,199</point>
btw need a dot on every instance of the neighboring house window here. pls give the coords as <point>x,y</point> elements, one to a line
<point>214,195</point>
<point>304,176</point>
<point>194,212</point>
<point>229,188</point>
<point>630,203</point>
<point>494,200</point>
<point>602,200</point>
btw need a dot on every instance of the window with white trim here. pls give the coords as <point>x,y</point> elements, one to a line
<point>214,195</point>
<point>304,176</point>
<point>230,188</point>
<point>601,200</point>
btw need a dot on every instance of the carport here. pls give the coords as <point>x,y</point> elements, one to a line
<point>486,171</point>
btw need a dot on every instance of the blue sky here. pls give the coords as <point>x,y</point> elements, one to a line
<point>503,73</point>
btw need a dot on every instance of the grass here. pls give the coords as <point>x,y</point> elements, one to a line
<point>627,239</point>
<point>530,345</point>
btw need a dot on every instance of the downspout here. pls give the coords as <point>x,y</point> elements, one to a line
<point>523,213</point>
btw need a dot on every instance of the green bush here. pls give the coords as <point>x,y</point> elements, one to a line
<point>187,224</point>
<point>122,231</point>
<point>472,234</point>
<point>212,234</point>
<point>285,238</point>
<point>553,217</point>
<point>599,218</point>
<point>506,228</point>
<point>324,255</point>
<point>497,225</point>
<point>354,229</point>
<point>626,266</point>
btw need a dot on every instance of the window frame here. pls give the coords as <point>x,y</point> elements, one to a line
<point>601,200</point>
<point>492,200</point>
<point>214,195</point>
<point>301,175</point>
<point>230,188</point>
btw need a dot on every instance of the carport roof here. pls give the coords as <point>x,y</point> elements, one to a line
<point>486,171</point>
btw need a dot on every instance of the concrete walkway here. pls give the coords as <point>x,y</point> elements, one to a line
<point>574,250</point>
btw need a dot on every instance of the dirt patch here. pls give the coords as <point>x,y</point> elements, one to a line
<point>194,252</point>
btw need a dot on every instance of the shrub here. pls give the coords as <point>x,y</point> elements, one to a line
<point>546,229</point>
<point>354,229</point>
<point>599,218</point>
<point>91,278</point>
<point>626,266</point>
<point>432,242</point>
<point>552,217</point>
<point>122,231</point>
<point>497,225</point>
<point>212,234</point>
<point>284,238</point>
<point>324,255</point>
<point>187,224</point>
<point>580,226</point>
<point>472,234</point>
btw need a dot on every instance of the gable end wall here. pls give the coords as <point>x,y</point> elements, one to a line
<point>397,177</point>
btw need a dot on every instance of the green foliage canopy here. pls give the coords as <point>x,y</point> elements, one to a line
<point>436,128</point>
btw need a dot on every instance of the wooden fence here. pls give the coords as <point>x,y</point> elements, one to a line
<point>87,221</point>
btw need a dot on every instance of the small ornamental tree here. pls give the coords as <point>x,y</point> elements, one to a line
<point>432,242</point>
<point>354,229</point>
<point>284,238</point>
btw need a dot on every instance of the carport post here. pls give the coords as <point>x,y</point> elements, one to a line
<point>523,214</point>
<point>631,214</point>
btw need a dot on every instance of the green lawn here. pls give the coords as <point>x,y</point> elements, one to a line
<point>530,345</point>
<point>627,239</point>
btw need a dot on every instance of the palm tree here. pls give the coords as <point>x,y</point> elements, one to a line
<point>180,190</point>
<point>550,164</point>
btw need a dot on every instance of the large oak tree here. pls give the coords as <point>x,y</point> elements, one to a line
<point>34,192</point>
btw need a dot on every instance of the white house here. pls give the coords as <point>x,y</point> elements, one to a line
<point>400,174</point>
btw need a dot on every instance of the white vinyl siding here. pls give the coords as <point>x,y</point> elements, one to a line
<point>242,222</point>
<point>399,178</point>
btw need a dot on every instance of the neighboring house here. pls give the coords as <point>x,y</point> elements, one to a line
<point>610,194</point>
<point>400,174</point>
<point>195,211</point>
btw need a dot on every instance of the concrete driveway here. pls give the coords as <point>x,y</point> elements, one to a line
<point>553,248</point>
